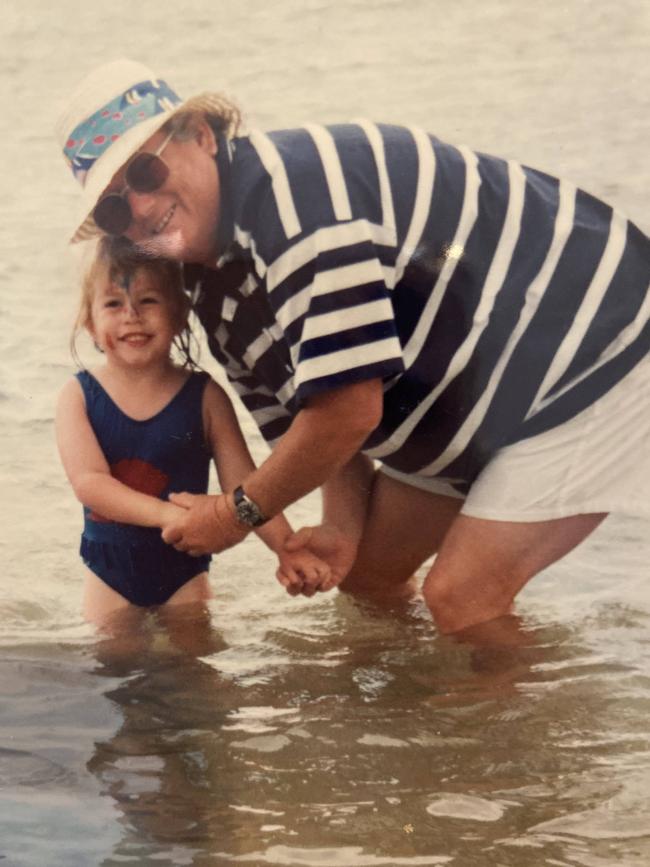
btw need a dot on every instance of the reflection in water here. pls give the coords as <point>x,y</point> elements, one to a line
<point>354,729</point>
<point>165,767</point>
<point>346,736</point>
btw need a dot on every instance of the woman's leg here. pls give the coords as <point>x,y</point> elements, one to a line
<point>482,565</point>
<point>404,527</point>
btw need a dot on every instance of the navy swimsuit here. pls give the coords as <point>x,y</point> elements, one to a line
<point>157,456</point>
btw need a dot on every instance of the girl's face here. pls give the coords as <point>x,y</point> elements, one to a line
<point>134,323</point>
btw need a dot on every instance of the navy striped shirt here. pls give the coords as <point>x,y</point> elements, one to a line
<point>493,300</point>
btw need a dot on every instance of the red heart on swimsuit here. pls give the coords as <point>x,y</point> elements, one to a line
<point>139,475</point>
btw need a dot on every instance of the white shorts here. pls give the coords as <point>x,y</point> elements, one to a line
<point>598,461</point>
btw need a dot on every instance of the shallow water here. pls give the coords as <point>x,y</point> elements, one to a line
<point>327,733</point>
<point>324,731</point>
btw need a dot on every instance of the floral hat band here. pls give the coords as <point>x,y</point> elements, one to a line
<point>94,135</point>
<point>110,115</point>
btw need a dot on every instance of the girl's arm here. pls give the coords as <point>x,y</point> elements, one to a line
<point>90,475</point>
<point>234,463</point>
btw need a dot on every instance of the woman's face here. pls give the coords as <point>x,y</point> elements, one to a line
<point>178,221</point>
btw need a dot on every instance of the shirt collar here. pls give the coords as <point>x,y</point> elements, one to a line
<point>226,228</point>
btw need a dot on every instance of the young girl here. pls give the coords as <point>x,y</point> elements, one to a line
<point>140,427</point>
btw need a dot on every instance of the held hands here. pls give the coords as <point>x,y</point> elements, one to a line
<point>313,559</point>
<point>207,524</point>
<point>302,572</point>
<point>328,547</point>
<point>169,514</point>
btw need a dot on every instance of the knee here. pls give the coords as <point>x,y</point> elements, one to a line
<point>352,584</point>
<point>357,579</point>
<point>370,581</point>
<point>457,604</point>
<point>360,581</point>
<point>447,607</point>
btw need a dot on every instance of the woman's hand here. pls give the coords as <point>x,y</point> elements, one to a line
<point>329,544</point>
<point>208,525</point>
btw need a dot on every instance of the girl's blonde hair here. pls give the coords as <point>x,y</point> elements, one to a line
<point>116,260</point>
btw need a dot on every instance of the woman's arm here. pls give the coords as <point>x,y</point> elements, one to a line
<point>232,457</point>
<point>322,439</point>
<point>90,475</point>
<point>345,496</point>
<point>234,463</point>
<point>345,501</point>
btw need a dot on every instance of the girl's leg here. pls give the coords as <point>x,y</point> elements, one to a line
<point>197,589</point>
<point>117,620</point>
<point>101,602</point>
<point>184,615</point>
<point>187,620</point>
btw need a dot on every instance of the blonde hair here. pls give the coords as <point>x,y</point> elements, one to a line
<point>223,115</point>
<point>116,260</point>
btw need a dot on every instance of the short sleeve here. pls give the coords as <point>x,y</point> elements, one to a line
<point>329,292</point>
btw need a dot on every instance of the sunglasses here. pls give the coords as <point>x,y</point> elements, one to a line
<point>145,173</point>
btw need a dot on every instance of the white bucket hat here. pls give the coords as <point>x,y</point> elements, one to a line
<point>110,114</point>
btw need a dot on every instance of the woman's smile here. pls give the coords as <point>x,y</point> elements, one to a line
<point>179,220</point>
<point>162,224</point>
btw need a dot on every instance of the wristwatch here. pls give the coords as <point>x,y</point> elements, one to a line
<point>248,512</point>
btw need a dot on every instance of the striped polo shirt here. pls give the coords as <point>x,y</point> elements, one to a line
<point>493,300</point>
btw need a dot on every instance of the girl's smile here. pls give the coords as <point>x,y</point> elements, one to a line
<point>134,324</point>
<point>137,339</point>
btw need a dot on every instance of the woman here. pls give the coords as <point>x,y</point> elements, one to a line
<point>477,327</point>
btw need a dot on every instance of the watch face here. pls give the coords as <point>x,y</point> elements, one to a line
<point>247,511</point>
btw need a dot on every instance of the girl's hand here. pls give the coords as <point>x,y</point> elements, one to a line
<point>328,544</point>
<point>302,572</point>
<point>169,514</point>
